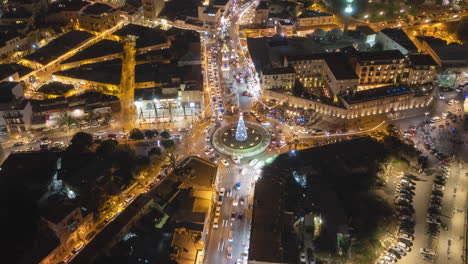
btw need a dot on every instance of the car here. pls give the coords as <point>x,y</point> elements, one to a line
<point>451,102</point>
<point>217,211</point>
<point>235,159</point>
<point>426,251</point>
<point>129,198</point>
<point>216,223</point>
<point>253,162</point>
<point>441,96</point>
<point>78,247</point>
<point>230,239</point>
<point>435,119</point>
<point>222,191</point>
<point>224,162</point>
<point>407,236</point>
<point>393,253</point>
<point>109,218</point>
<point>220,200</point>
<point>238,186</point>
<point>389,259</point>
<point>208,138</point>
<point>235,202</point>
<point>67,258</point>
<point>404,246</point>
<point>18,144</point>
<point>302,257</point>
<point>233,216</point>
<point>241,201</point>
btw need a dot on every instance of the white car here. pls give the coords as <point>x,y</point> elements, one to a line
<point>253,162</point>
<point>235,202</point>
<point>407,237</point>
<point>400,251</point>
<point>78,247</point>
<point>225,162</point>
<point>236,159</point>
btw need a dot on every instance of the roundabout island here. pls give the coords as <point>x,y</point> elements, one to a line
<point>242,139</point>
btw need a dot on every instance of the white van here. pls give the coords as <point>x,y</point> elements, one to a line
<point>435,119</point>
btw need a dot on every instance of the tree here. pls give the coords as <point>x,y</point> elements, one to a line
<point>107,148</point>
<point>125,158</point>
<point>165,134</point>
<point>136,134</point>
<point>66,120</point>
<point>150,133</point>
<point>154,152</point>
<point>81,141</point>
<point>167,144</point>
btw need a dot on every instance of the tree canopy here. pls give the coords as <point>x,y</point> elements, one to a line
<point>165,134</point>
<point>136,134</point>
<point>80,142</point>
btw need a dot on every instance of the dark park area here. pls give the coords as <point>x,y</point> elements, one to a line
<point>339,183</point>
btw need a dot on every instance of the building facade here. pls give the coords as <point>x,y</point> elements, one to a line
<point>152,8</point>
<point>278,78</point>
<point>379,68</point>
<point>310,18</point>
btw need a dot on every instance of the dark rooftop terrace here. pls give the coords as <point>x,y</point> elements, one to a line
<point>400,37</point>
<point>103,72</point>
<point>74,5</point>
<point>6,70</point>
<point>422,60</point>
<point>383,55</point>
<point>97,9</point>
<point>102,48</point>
<point>146,36</point>
<point>59,46</point>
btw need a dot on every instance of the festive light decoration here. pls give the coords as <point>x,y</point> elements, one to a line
<point>241,132</point>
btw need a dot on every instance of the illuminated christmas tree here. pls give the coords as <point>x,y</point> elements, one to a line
<point>241,132</point>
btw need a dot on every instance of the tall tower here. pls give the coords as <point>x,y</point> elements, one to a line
<point>152,8</point>
<point>127,83</point>
<point>241,132</point>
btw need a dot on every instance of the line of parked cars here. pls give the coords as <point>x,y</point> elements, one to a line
<point>404,202</point>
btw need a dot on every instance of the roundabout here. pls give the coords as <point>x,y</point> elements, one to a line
<point>242,139</point>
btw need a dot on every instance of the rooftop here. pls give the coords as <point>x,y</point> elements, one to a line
<point>377,93</point>
<point>6,94</point>
<point>103,72</point>
<point>446,52</point>
<point>220,2</point>
<point>262,5</point>
<point>204,174</point>
<point>313,13</point>
<point>380,55</point>
<point>336,61</point>
<point>75,5</point>
<point>422,60</point>
<point>273,71</point>
<point>146,36</point>
<point>100,49</point>
<point>59,46</point>
<point>97,9</point>
<point>164,72</point>
<point>400,37</point>
<point>19,13</point>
